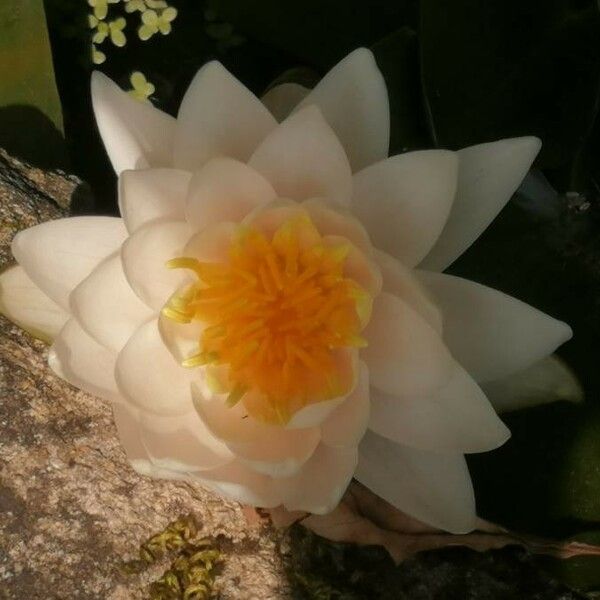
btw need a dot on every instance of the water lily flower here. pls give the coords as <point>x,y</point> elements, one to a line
<point>153,22</point>
<point>142,88</point>
<point>268,315</point>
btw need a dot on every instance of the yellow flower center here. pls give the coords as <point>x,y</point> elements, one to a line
<point>275,314</point>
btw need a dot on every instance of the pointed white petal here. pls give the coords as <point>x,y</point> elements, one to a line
<point>404,201</point>
<point>457,417</point>
<point>58,255</point>
<point>353,98</point>
<point>433,488</point>
<point>302,158</point>
<point>218,117</point>
<point>319,486</point>
<point>149,195</point>
<point>548,380</point>
<point>145,255</point>
<point>83,362</point>
<point>25,304</point>
<point>149,376</point>
<point>489,333</point>
<point>405,355</point>
<point>225,190</point>
<point>135,134</point>
<point>283,98</point>
<point>488,176</point>
<point>106,307</point>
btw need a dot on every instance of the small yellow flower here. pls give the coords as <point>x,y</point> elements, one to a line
<point>134,5</point>
<point>142,88</point>
<point>156,4</point>
<point>98,57</point>
<point>101,7</point>
<point>102,30</point>
<point>152,22</point>
<point>117,36</point>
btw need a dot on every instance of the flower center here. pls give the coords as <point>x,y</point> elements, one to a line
<point>275,314</point>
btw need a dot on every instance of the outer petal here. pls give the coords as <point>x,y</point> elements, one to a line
<point>346,426</point>
<point>57,255</point>
<point>144,257</point>
<point>302,158</point>
<point>404,201</point>
<point>283,98</point>
<point>136,135</point>
<point>149,195</point>
<point>225,190</point>
<point>322,482</point>
<point>149,376</point>
<point>218,117</point>
<point>488,176</point>
<point>548,380</point>
<point>353,98</point>
<point>83,362</point>
<point>106,307</point>
<point>405,354</point>
<point>433,488</point>
<point>455,418</point>
<point>25,304</point>
<point>489,333</point>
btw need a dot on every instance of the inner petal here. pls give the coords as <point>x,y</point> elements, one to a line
<point>280,315</point>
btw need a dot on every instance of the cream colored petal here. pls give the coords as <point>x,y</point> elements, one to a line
<point>353,98</point>
<point>218,117</point>
<point>268,449</point>
<point>319,486</point>
<point>488,176</point>
<point>491,334</point>
<point>58,255</point>
<point>404,201</point>
<point>548,380</point>
<point>314,414</point>
<point>225,190</point>
<point>79,359</point>
<point>25,304</point>
<point>149,195</point>
<point>145,255</point>
<point>405,355</point>
<point>457,417</point>
<point>433,488</point>
<point>135,134</point>
<point>149,376</point>
<point>402,282</point>
<point>302,158</point>
<point>346,426</point>
<point>182,339</point>
<point>283,98</point>
<point>106,307</point>
<point>212,244</point>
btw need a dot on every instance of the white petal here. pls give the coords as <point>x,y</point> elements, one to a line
<point>149,376</point>
<point>182,339</point>
<point>548,380</point>
<point>25,304</point>
<point>322,482</point>
<point>218,117</point>
<point>402,282</point>
<point>488,176</point>
<point>457,417</point>
<point>135,134</point>
<point>314,414</point>
<point>404,201</point>
<point>302,158</point>
<point>83,362</point>
<point>405,355</point>
<point>58,255</point>
<point>106,307</point>
<point>128,428</point>
<point>145,255</point>
<point>433,488</point>
<point>149,195</point>
<point>489,333</point>
<point>268,449</point>
<point>283,98</point>
<point>353,98</point>
<point>212,244</point>
<point>239,483</point>
<point>225,190</point>
<point>346,426</point>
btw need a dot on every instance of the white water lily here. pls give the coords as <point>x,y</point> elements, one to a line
<point>268,316</point>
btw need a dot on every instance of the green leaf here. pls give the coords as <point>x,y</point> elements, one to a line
<point>31,124</point>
